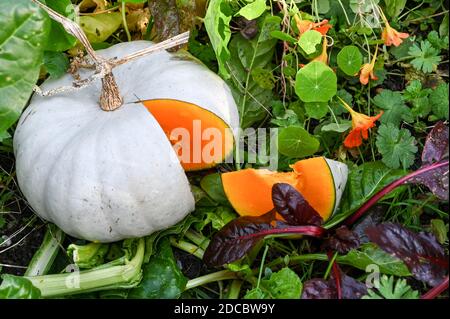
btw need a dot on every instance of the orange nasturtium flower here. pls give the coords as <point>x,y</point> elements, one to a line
<point>306,25</point>
<point>323,57</point>
<point>361,124</point>
<point>391,36</point>
<point>367,70</point>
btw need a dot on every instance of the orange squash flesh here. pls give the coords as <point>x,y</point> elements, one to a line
<point>250,190</point>
<point>209,140</point>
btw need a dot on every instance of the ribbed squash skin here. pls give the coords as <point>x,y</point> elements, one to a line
<point>106,176</point>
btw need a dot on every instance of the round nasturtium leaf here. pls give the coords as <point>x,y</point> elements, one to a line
<point>316,110</point>
<point>315,82</point>
<point>349,60</point>
<point>295,141</point>
<point>310,42</point>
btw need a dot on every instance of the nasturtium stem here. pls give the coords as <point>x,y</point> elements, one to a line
<point>215,276</point>
<point>44,257</point>
<point>104,277</point>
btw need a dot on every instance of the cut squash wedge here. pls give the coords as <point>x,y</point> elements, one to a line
<point>321,181</point>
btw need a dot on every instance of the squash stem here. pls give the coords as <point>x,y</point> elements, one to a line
<point>105,277</point>
<point>44,257</point>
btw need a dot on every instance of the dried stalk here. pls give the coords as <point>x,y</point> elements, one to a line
<point>110,98</point>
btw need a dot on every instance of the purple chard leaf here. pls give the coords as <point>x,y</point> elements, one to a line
<point>420,252</point>
<point>342,241</point>
<point>294,208</point>
<point>436,144</point>
<point>434,153</point>
<point>232,242</point>
<point>318,288</point>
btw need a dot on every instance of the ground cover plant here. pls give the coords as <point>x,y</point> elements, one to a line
<point>337,187</point>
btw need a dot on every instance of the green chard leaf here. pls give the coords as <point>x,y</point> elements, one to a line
<point>60,39</point>
<point>397,146</point>
<point>253,98</point>
<point>14,287</point>
<point>212,185</point>
<point>217,24</point>
<point>23,36</point>
<point>394,107</point>
<point>162,278</point>
<point>56,64</point>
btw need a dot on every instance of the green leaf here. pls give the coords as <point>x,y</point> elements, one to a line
<point>363,182</point>
<point>397,147</point>
<point>60,40</point>
<point>440,230</point>
<point>426,58</point>
<point>280,35</point>
<point>295,141</point>
<point>336,105</point>
<point>418,97</point>
<point>283,284</point>
<point>162,278</point>
<point>247,55</point>
<point>212,185</point>
<point>341,127</point>
<point>387,290</point>
<point>436,41</point>
<point>14,287</point>
<point>56,64</point>
<point>264,78</point>
<point>253,10</point>
<point>439,101</point>
<point>370,254</point>
<point>89,255</point>
<point>394,7</point>
<point>217,24</point>
<point>23,35</point>
<point>316,110</point>
<point>315,82</point>
<point>395,109</point>
<point>443,28</point>
<point>349,60</point>
<point>310,42</point>
<point>101,26</point>
<point>323,6</point>
<point>218,218</point>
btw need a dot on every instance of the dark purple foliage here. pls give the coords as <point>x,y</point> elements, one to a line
<point>326,289</point>
<point>232,241</point>
<point>436,144</point>
<point>420,252</point>
<point>435,152</point>
<point>342,241</point>
<point>294,208</point>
